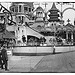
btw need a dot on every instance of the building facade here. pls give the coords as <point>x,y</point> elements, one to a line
<point>26,28</point>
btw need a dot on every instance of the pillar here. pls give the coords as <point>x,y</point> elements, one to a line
<point>16,34</point>
<point>67,36</point>
<point>25,33</point>
<point>72,37</point>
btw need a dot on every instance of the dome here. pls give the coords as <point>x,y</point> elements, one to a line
<point>39,8</point>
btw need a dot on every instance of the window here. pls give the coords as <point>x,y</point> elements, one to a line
<point>25,9</point>
<point>1,18</point>
<point>38,12</point>
<point>19,8</point>
<point>52,24</point>
<point>12,9</point>
<point>18,28</point>
<point>16,9</point>
<point>29,9</point>
<point>22,19</point>
<point>32,9</point>
<point>22,30</point>
<point>19,19</point>
<point>41,12</point>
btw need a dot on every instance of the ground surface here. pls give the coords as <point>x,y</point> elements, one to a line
<point>62,62</point>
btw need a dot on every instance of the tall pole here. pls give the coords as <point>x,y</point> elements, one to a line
<point>54,40</point>
<point>45,12</point>
<point>54,31</point>
<point>61,11</point>
<point>45,9</point>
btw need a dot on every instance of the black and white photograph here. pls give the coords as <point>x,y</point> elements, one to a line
<point>37,37</point>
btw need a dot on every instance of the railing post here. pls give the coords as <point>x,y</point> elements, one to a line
<point>53,49</point>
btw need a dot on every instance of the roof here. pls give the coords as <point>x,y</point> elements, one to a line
<point>28,3</point>
<point>7,34</point>
<point>69,25</point>
<point>39,8</point>
<point>54,20</point>
<point>53,8</point>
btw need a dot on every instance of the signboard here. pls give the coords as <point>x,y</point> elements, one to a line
<point>9,52</point>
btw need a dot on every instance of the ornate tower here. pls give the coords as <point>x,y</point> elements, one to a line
<point>53,14</point>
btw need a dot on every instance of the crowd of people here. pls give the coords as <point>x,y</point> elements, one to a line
<point>3,58</point>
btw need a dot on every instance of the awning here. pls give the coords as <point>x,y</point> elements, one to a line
<point>7,34</point>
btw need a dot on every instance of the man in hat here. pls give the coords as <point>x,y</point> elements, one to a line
<point>4,58</point>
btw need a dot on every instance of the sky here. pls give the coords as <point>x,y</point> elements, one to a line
<point>68,14</point>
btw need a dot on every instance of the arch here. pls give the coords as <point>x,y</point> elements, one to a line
<point>39,26</point>
<point>33,40</point>
<point>67,9</point>
<point>28,36</point>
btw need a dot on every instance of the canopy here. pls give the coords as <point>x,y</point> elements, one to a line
<point>7,34</point>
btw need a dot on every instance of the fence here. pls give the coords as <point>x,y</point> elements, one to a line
<point>36,50</point>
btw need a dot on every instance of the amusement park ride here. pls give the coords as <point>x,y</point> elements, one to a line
<point>7,17</point>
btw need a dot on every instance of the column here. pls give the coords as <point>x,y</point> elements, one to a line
<point>72,37</point>
<point>22,8</point>
<point>16,36</point>
<point>18,8</point>
<point>67,36</point>
<point>25,33</point>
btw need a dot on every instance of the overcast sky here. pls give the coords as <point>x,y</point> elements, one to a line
<point>68,14</point>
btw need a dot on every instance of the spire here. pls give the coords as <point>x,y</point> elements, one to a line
<point>53,8</point>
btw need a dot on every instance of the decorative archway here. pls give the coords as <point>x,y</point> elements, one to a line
<point>33,37</point>
<point>32,40</point>
<point>67,9</point>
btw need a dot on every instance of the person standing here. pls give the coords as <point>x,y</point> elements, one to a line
<point>0,61</point>
<point>54,49</point>
<point>4,58</point>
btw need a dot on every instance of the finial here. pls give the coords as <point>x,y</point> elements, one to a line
<point>68,20</point>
